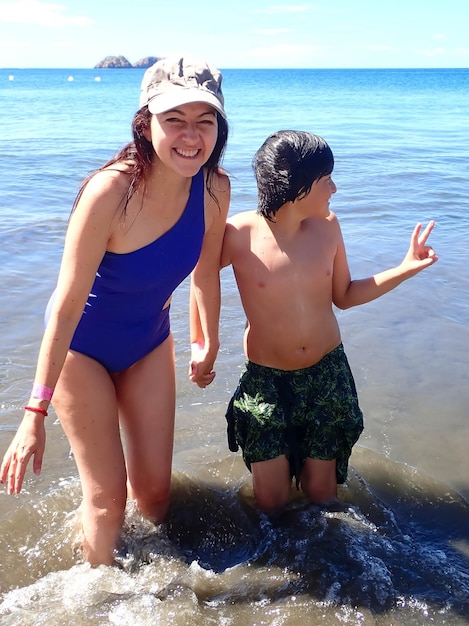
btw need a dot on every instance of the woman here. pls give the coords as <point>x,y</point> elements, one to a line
<point>139,226</point>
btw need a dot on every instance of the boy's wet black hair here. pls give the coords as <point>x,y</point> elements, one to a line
<point>286,166</point>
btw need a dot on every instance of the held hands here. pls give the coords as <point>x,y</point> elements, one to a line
<point>419,255</point>
<point>29,441</point>
<point>200,368</point>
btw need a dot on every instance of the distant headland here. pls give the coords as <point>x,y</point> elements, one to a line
<point>121,62</point>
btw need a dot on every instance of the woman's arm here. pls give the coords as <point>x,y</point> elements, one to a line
<point>205,288</point>
<point>85,244</point>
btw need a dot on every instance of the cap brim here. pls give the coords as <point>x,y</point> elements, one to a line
<point>167,101</point>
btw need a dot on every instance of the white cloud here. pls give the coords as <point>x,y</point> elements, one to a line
<point>284,51</point>
<point>448,53</point>
<point>434,52</point>
<point>273,31</point>
<point>283,8</point>
<point>14,44</point>
<point>39,13</point>
<point>379,48</point>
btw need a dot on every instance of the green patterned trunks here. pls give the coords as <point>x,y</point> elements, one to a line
<point>311,412</point>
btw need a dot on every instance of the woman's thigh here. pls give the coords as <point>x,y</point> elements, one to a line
<point>146,399</point>
<point>85,402</point>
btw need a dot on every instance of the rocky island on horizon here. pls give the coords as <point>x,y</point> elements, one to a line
<point>120,62</point>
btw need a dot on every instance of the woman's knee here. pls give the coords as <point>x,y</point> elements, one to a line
<point>106,507</point>
<point>151,492</point>
<point>152,499</point>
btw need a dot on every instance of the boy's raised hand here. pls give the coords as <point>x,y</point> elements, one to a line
<point>419,255</point>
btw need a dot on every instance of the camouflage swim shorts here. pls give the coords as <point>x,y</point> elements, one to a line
<point>311,412</point>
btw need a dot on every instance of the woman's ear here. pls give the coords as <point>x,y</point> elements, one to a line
<point>147,132</point>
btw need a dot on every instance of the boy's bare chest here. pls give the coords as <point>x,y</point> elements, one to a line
<point>303,255</point>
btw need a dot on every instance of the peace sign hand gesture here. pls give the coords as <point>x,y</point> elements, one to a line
<point>419,255</point>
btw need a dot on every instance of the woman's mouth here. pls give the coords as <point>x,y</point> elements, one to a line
<point>187,154</point>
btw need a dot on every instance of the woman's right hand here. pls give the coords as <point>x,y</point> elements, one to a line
<point>29,441</point>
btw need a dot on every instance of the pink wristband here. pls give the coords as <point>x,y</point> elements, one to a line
<point>42,393</point>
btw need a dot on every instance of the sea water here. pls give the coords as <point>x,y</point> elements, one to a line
<point>397,550</point>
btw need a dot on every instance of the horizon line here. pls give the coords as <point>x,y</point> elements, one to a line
<point>244,68</point>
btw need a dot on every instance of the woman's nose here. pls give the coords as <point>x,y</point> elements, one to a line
<point>191,132</point>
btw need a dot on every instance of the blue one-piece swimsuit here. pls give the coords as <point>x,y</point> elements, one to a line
<point>124,319</point>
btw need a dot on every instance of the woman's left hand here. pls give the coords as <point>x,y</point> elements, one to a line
<point>200,368</point>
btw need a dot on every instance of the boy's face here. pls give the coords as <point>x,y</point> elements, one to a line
<point>317,200</point>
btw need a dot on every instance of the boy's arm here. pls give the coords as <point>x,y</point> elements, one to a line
<point>347,293</point>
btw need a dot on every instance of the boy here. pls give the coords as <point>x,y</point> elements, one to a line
<point>295,411</point>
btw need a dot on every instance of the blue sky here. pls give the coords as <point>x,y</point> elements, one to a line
<point>237,33</point>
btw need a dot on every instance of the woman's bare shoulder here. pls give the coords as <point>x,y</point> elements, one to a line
<point>333,219</point>
<point>222,180</point>
<point>217,200</point>
<point>113,177</point>
<point>244,219</point>
<point>217,186</point>
<point>106,184</point>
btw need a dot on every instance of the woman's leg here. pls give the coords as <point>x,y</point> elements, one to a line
<point>85,402</point>
<point>271,483</point>
<point>146,397</point>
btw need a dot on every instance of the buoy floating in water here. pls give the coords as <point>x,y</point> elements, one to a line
<point>70,79</point>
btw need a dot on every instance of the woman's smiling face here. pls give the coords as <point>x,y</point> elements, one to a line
<point>184,137</point>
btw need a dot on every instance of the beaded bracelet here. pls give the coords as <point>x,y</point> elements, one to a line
<point>36,409</point>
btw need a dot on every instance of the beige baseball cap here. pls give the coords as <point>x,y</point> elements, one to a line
<point>171,82</point>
